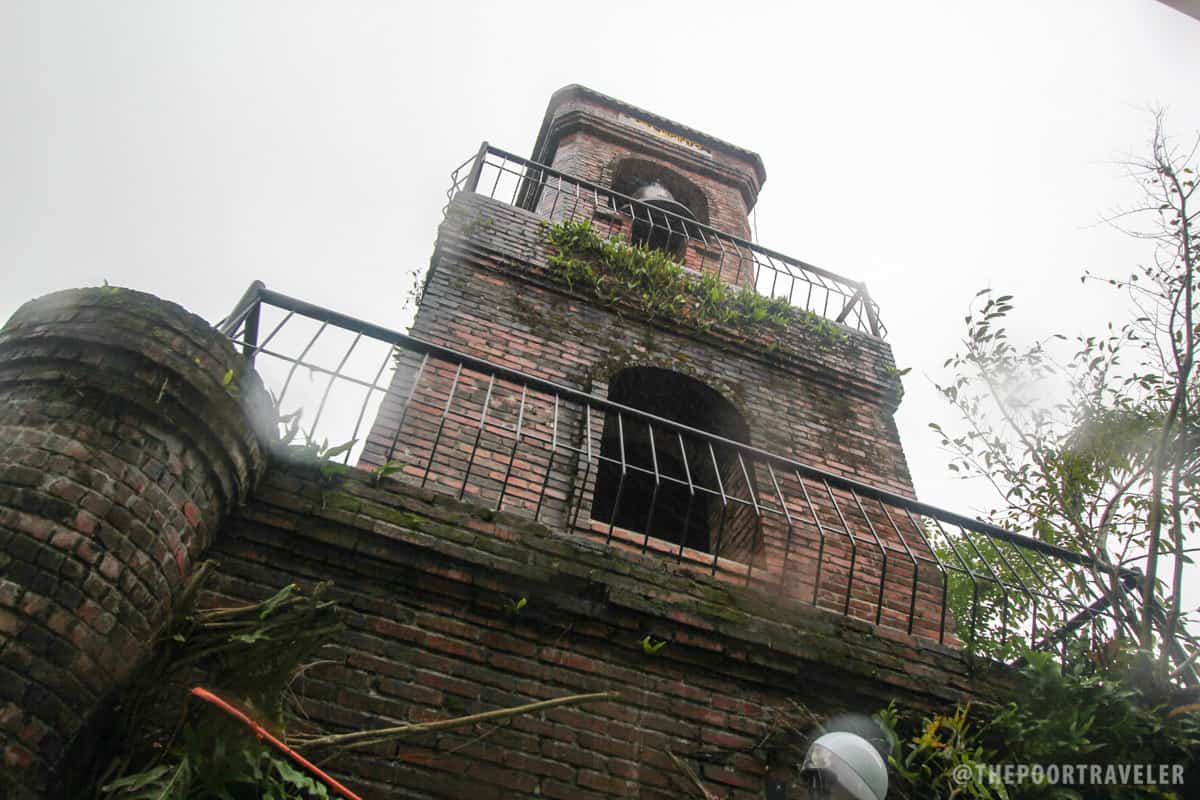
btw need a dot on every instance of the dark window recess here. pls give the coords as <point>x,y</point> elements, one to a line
<point>659,482</point>
<point>667,208</point>
<point>660,223</point>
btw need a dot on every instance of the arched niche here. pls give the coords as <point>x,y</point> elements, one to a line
<point>667,484</point>
<point>668,202</point>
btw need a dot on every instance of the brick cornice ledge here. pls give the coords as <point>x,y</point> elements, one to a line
<point>734,630</point>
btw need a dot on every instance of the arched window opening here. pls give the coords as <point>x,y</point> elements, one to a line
<point>660,223</point>
<point>667,205</point>
<point>654,480</point>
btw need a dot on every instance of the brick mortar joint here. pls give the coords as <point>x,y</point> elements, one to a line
<point>791,363</point>
<point>641,588</point>
<point>461,226</point>
<point>173,385</point>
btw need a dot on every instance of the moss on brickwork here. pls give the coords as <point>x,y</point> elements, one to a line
<point>428,584</point>
<point>393,517</point>
<point>818,412</point>
<point>616,272</point>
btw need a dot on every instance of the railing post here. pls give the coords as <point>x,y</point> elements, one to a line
<point>872,315</point>
<point>252,294</point>
<point>477,168</point>
<point>250,337</point>
<point>846,309</point>
<point>246,314</point>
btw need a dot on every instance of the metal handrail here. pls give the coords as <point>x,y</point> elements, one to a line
<point>768,503</point>
<point>532,179</point>
<point>258,293</point>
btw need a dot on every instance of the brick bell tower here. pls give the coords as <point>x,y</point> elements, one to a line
<point>670,426</point>
<point>625,452</point>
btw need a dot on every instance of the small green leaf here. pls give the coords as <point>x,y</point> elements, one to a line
<point>341,448</point>
<point>651,647</point>
<point>250,638</point>
<point>276,600</point>
<point>513,608</point>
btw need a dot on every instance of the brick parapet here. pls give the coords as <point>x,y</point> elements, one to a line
<point>122,446</point>
<point>586,133</point>
<point>425,582</point>
<point>825,401</point>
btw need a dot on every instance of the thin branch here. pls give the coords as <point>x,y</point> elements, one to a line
<point>695,781</point>
<point>366,738</point>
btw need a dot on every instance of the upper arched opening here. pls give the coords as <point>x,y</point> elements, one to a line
<point>667,202</point>
<point>657,481</point>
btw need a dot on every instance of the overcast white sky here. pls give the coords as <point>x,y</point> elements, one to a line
<point>929,148</point>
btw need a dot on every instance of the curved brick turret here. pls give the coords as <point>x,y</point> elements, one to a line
<point>123,442</point>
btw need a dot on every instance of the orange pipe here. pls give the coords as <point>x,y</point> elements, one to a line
<point>263,733</point>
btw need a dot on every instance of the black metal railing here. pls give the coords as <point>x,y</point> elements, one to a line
<point>498,436</point>
<point>557,196</point>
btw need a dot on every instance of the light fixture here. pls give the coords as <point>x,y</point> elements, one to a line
<point>844,766</point>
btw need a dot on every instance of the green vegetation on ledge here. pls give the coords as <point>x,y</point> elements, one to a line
<point>1110,711</point>
<point>616,271</point>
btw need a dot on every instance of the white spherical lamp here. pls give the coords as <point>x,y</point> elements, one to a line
<point>846,766</point>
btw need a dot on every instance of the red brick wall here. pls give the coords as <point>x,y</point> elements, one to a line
<point>121,447</point>
<point>586,135</point>
<point>590,139</point>
<point>824,403</point>
<point>585,155</point>
<point>424,582</point>
<point>702,252</point>
<point>491,294</point>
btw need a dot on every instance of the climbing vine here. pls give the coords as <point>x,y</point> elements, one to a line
<point>618,272</point>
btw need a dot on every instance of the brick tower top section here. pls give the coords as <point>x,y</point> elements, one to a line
<point>611,143</point>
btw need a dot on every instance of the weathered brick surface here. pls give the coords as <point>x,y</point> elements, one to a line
<point>588,136</point>
<point>826,403</point>
<point>492,294</point>
<point>424,582</point>
<point>121,447</point>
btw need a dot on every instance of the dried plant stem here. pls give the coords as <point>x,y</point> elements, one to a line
<point>692,778</point>
<point>366,738</point>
